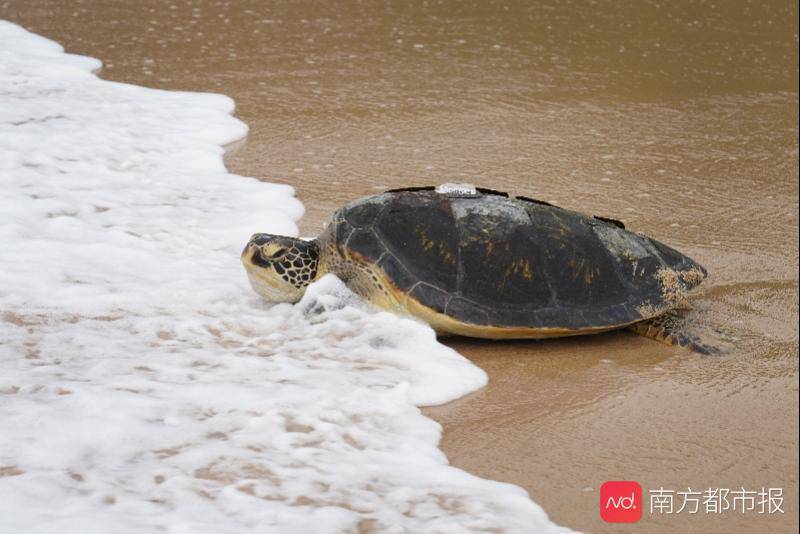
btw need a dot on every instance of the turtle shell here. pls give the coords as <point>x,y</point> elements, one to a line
<point>483,258</point>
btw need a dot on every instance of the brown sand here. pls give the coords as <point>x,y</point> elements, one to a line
<point>680,119</point>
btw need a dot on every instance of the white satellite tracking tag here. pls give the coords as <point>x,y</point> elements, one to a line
<point>457,190</point>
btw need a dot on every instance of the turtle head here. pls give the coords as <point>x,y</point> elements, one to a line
<point>280,268</point>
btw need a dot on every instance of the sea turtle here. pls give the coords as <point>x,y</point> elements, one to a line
<point>476,262</point>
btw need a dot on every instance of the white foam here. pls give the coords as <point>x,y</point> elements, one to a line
<point>145,387</point>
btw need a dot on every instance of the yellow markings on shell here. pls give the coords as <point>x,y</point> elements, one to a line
<point>521,266</point>
<point>428,244</point>
<point>489,248</point>
<point>589,275</point>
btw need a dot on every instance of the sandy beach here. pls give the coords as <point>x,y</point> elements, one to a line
<point>680,120</point>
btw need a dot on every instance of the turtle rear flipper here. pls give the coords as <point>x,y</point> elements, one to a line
<point>670,329</point>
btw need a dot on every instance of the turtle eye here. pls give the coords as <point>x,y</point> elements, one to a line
<point>276,253</point>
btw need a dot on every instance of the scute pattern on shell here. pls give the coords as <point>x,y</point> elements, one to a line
<point>501,262</point>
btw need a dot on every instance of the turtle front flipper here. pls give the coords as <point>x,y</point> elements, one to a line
<point>670,329</point>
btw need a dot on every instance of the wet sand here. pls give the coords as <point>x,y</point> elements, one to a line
<point>681,120</point>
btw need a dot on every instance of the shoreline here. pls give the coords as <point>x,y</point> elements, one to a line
<point>558,417</point>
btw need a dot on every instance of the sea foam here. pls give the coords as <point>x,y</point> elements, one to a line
<point>145,387</point>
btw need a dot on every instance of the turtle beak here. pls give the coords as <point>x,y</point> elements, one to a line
<point>250,250</point>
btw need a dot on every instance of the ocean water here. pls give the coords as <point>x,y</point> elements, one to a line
<point>143,385</point>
